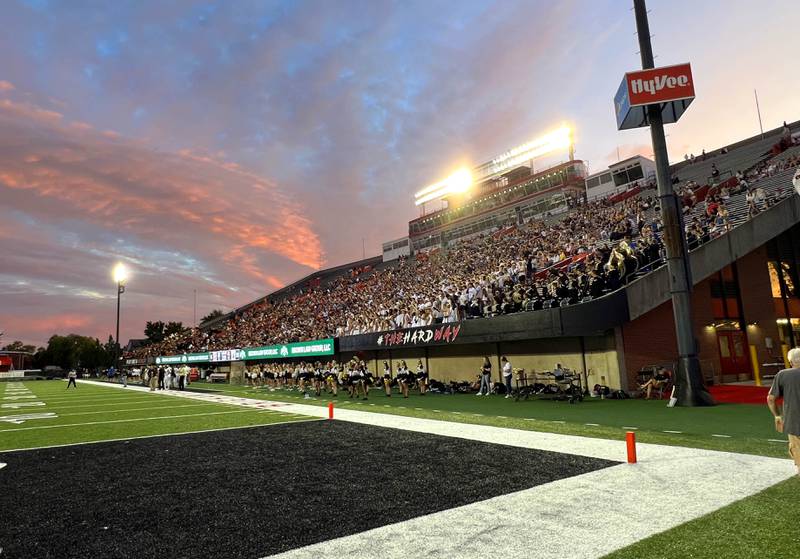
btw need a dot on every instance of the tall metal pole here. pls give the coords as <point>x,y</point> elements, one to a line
<point>758,110</point>
<point>689,379</point>
<point>117,348</point>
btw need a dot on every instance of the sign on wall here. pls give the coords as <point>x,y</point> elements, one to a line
<point>314,348</point>
<point>441,334</point>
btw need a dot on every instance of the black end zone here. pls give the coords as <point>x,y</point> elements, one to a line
<point>249,492</point>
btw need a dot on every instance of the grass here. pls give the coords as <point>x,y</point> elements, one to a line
<point>748,428</point>
<point>95,413</point>
<point>764,526</point>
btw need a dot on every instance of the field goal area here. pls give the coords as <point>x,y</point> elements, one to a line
<point>191,474</point>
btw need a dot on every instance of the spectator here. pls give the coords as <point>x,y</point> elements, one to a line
<point>786,385</point>
<point>508,374</point>
<point>486,375</point>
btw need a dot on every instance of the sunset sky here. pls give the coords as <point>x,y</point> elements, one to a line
<point>233,147</point>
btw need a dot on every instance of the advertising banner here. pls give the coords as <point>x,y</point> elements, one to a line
<point>427,335</point>
<point>313,348</point>
<point>670,88</point>
<point>660,85</point>
<point>184,358</point>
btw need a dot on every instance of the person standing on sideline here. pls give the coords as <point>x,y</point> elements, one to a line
<point>508,375</point>
<point>182,373</point>
<point>72,375</point>
<point>153,376</point>
<point>486,375</point>
<point>786,385</point>
<point>161,373</point>
<point>123,374</point>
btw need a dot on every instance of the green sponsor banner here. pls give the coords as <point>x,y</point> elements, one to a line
<point>184,358</point>
<point>313,348</point>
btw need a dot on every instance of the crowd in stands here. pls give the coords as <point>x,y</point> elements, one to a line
<point>591,250</point>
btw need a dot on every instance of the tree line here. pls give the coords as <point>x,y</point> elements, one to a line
<point>74,351</point>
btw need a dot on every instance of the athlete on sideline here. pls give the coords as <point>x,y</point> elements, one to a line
<point>72,375</point>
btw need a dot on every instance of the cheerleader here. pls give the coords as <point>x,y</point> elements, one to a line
<point>387,379</point>
<point>422,378</point>
<point>403,378</point>
<point>269,377</point>
<point>367,378</point>
<point>332,377</point>
<point>304,376</point>
<point>356,379</point>
<point>317,378</point>
<point>344,378</point>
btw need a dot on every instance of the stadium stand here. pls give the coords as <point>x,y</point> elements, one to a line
<point>567,259</point>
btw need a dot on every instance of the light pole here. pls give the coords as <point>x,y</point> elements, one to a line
<point>689,382</point>
<point>120,275</point>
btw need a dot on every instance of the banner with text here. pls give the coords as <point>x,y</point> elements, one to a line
<point>314,348</point>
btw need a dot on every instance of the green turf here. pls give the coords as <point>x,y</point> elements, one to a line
<point>749,428</point>
<point>97,413</point>
<point>763,526</point>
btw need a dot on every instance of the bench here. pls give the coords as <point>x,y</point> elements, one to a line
<point>218,377</point>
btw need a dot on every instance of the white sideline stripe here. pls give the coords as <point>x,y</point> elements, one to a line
<point>626,497</point>
<point>592,424</point>
<point>777,440</point>
<point>675,432</point>
<point>130,420</point>
<point>722,436</point>
<point>305,419</point>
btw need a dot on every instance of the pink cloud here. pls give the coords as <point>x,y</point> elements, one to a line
<point>6,86</point>
<point>122,185</point>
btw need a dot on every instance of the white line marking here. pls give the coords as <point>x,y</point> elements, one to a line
<point>674,432</point>
<point>22,405</point>
<point>3,465</point>
<point>777,440</point>
<point>722,436</point>
<point>501,417</point>
<point>22,418</point>
<point>529,418</point>
<point>592,424</point>
<point>631,428</point>
<point>558,421</point>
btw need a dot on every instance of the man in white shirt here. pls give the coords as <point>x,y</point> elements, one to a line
<point>508,374</point>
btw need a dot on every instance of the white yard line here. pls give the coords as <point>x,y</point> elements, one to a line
<point>673,484</point>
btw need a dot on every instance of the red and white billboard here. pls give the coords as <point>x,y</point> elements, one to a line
<point>660,85</point>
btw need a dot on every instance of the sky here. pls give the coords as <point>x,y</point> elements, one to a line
<point>225,149</point>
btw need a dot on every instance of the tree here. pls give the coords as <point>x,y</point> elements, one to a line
<point>17,345</point>
<point>216,313</point>
<point>74,351</point>
<point>173,328</point>
<point>154,331</point>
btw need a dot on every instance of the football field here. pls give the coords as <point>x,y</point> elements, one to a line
<point>222,474</point>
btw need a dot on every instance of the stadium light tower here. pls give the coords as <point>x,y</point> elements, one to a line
<point>120,277</point>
